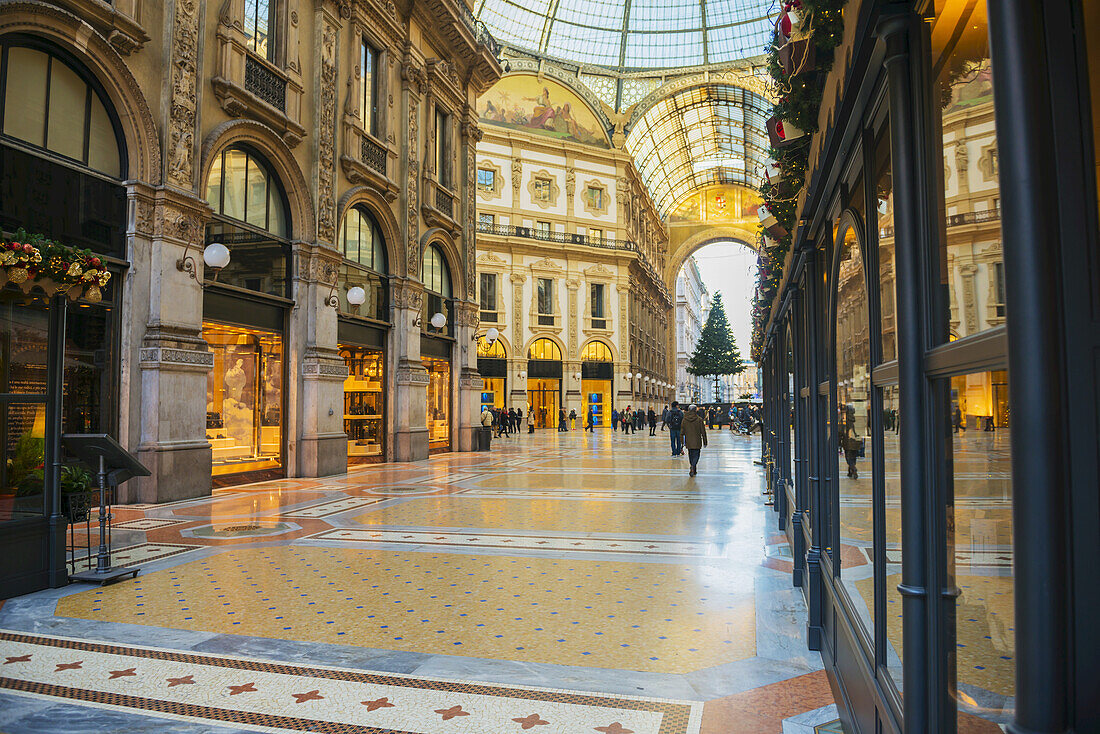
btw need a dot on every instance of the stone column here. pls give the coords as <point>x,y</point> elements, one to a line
<point>410,380</point>
<point>164,301</point>
<point>467,388</point>
<point>517,365</point>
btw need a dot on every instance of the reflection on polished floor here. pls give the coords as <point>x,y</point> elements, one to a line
<point>560,583</point>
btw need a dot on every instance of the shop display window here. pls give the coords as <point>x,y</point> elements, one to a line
<point>364,403</point>
<point>597,400</point>
<point>23,347</point>
<point>244,398</point>
<point>439,402</point>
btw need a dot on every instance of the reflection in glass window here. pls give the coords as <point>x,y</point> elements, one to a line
<point>435,273</point>
<point>542,190</point>
<point>490,349</point>
<point>368,87</point>
<point>362,240</point>
<point>240,186</point>
<point>244,398</point>
<point>598,300</point>
<point>545,295</point>
<point>853,401</point>
<point>594,197</point>
<point>964,125</point>
<point>892,479</point>
<point>439,401</point>
<point>488,292</point>
<point>364,404</point>
<point>979,532</point>
<point>884,198</point>
<point>51,105</point>
<point>259,22</point>
<point>486,179</point>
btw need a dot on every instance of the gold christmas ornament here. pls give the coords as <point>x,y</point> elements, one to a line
<point>93,294</point>
<point>18,275</point>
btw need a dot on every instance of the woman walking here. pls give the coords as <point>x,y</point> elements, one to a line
<point>572,419</point>
<point>695,437</point>
<point>652,422</point>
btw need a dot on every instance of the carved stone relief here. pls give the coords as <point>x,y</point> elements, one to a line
<point>326,164</point>
<point>517,178</point>
<point>182,117</point>
<point>517,307</point>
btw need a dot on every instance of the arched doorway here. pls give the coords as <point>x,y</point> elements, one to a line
<point>544,378</point>
<point>245,309</point>
<point>596,380</point>
<point>362,329</point>
<point>436,345</point>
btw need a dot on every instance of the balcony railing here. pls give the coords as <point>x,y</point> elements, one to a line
<point>444,202</point>
<point>565,238</point>
<point>476,27</point>
<point>374,155</point>
<point>264,83</point>
<point>955,220</point>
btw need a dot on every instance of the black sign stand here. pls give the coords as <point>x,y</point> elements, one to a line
<point>114,466</point>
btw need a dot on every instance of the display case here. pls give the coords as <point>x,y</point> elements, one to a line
<point>364,403</point>
<point>439,403</point>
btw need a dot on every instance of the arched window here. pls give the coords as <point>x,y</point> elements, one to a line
<point>490,349</point>
<point>544,349</point>
<point>52,103</point>
<point>361,240</point>
<point>241,186</point>
<point>435,273</point>
<point>596,352</point>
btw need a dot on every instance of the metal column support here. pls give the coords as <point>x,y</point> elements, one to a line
<point>815,598</point>
<point>1029,187</point>
<point>55,394</point>
<point>798,545</point>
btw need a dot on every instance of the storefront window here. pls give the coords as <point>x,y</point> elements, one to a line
<point>492,363</point>
<point>365,265</point>
<point>980,549</point>
<point>244,398</point>
<point>892,480</point>
<point>853,403</point>
<point>439,402</point>
<point>544,400</point>
<point>23,346</point>
<point>364,403</point>
<point>884,198</point>
<point>437,285</point>
<point>964,125</point>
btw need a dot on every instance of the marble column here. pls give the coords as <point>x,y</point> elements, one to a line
<point>410,380</point>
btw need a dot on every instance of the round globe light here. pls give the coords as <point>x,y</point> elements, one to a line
<point>629,376</point>
<point>439,320</point>
<point>492,334</point>
<point>216,255</point>
<point>356,296</point>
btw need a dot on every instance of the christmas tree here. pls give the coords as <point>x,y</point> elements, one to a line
<point>716,352</point>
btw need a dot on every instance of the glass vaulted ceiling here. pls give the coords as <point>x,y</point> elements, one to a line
<point>702,135</point>
<point>632,34</point>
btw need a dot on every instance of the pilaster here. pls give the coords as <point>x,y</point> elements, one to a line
<point>409,404</point>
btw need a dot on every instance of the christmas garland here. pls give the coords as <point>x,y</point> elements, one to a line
<point>31,260</point>
<point>799,60</point>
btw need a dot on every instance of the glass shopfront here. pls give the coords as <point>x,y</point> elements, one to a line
<point>439,403</point>
<point>596,371</point>
<point>492,364</point>
<point>544,401</point>
<point>364,403</point>
<point>244,398</point>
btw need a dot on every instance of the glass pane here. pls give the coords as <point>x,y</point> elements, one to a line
<point>90,368</point>
<point>488,292</point>
<point>276,216</point>
<point>214,186</point>
<point>256,202</point>
<point>970,232</point>
<point>545,296</point>
<point>853,395</point>
<point>364,403</point>
<point>25,101</point>
<point>244,396</point>
<point>102,143</point>
<point>439,401</point>
<point>979,531</point>
<point>23,339</point>
<point>65,124</point>
<point>892,475</point>
<point>352,224</point>
<point>258,261</point>
<point>235,186</point>
<point>884,196</point>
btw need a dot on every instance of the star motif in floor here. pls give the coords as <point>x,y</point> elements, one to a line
<point>186,680</point>
<point>246,688</point>
<point>68,666</point>
<point>378,703</point>
<point>314,695</point>
<point>614,728</point>
<point>17,659</point>
<point>530,722</point>
<point>452,712</point>
<point>122,673</point>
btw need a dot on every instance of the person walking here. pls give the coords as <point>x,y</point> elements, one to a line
<point>561,420</point>
<point>635,417</point>
<point>572,419</point>
<point>487,419</point>
<point>501,419</point>
<point>614,420</point>
<point>591,422</point>
<point>519,419</point>
<point>652,422</point>
<point>530,421</point>
<point>623,418</point>
<point>664,418</point>
<point>695,437</point>
<point>957,420</point>
<point>675,424</point>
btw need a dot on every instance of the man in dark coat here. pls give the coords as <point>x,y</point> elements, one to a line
<point>695,437</point>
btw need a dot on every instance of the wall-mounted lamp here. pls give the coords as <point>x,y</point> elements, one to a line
<point>215,256</point>
<point>439,320</point>
<point>521,375</point>
<point>576,375</point>
<point>490,336</point>
<point>356,297</point>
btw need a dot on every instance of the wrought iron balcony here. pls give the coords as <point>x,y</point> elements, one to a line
<point>565,238</point>
<point>264,83</point>
<point>374,155</point>
<point>444,202</point>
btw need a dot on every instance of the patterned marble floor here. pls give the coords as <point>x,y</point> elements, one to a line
<point>560,583</point>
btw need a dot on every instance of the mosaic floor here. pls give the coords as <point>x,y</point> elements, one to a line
<point>560,583</point>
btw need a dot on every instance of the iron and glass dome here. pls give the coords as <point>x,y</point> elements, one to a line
<point>632,34</point>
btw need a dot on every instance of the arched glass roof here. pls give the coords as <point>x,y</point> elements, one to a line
<point>702,135</point>
<point>632,34</point>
